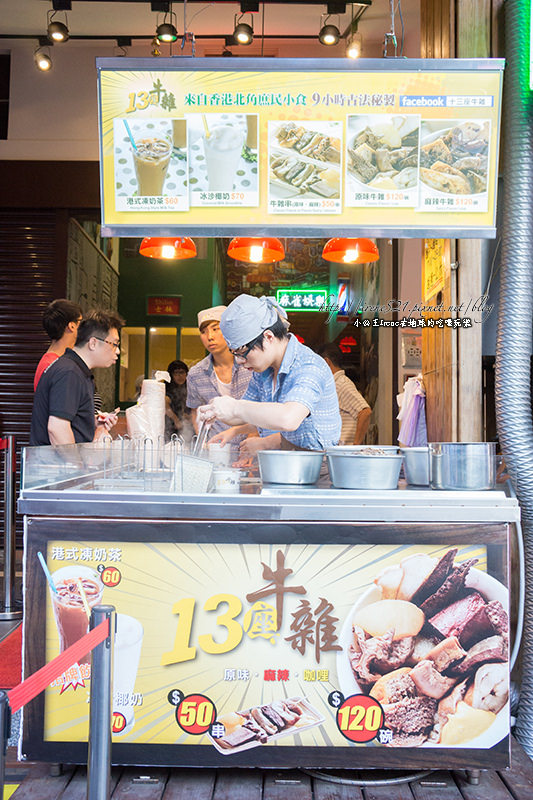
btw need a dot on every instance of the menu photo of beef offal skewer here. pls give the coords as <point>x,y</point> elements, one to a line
<point>429,642</point>
<point>382,160</point>
<point>265,723</point>
<point>305,174</point>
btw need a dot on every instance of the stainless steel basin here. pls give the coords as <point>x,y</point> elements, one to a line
<point>290,466</point>
<point>463,466</point>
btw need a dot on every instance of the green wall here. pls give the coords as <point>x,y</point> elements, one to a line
<point>141,276</point>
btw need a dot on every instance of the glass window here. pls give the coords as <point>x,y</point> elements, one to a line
<point>162,348</point>
<point>132,360</point>
<point>191,347</point>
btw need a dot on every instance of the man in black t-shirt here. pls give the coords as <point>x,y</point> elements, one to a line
<point>63,405</point>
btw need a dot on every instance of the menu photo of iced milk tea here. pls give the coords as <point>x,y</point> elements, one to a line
<point>150,160</point>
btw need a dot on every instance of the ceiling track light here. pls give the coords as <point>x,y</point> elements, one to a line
<point>354,45</point>
<point>167,32</point>
<point>329,34</point>
<point>242,32</point>
<point>42,60</point>
<point>57,31</point>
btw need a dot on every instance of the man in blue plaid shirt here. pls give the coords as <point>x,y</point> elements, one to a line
<point>291,399</point>
<point>217,374</point>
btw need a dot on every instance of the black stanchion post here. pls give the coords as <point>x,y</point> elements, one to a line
<point>5,731</point>
<point>99,757</point>
<point>8,608</point>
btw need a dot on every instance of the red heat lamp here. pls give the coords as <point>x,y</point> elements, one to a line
<point>256,250</point>
<point>350,251</point>
<point>169,247</point>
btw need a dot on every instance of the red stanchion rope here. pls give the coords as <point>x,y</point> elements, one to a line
<point>37,682</point>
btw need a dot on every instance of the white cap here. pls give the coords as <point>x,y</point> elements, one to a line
<point>247,317</point>
<point>210,315</point>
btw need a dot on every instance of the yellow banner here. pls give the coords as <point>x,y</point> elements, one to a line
<point>235,646</point>
<point>183,149</point>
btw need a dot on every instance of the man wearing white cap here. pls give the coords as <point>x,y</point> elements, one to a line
<point>291,399</point>
<point>217,374</point>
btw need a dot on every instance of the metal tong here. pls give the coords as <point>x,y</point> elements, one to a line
<point>201,437</point>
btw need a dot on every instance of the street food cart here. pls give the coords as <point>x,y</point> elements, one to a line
<point>268,626</point>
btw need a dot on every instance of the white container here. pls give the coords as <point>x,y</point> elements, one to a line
<point>226,480</point>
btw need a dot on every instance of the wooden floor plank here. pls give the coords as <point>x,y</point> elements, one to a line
<point>40,785</point>
<point>396,791</point>
<point>287,785</point>
<point>519,779</point>
<point>190,784</point>
<point>323,790</point>
<point>439,785</point>
<point>238,784</point>
<point>130,788</point>
<point>77,788</point>
<point>490,787</point>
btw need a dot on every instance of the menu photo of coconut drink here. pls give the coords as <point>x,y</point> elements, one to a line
<point>305,167</point>
<point>382,160</point>
<point>223,159</point>
<point>454,165</point>
<point>151,172</point>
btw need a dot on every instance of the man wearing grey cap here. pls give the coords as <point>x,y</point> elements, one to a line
<point>217,374</point>
<point>291,399</point>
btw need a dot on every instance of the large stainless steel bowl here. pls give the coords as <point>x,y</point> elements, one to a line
<point>290,466</point>
<point>359,471</point>
<point>464,466</point>
<point>416,465</point>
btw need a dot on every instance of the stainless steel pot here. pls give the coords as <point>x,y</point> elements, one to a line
<point>416,465</point>
<point>359,471</point>
<point>463,466</point>
<point>290,466</point>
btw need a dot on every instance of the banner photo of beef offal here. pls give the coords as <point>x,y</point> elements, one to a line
<point>256,646</point>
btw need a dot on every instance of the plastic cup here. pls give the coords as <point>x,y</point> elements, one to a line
<point>151,157</point>
<point>219,454</point>
<point>69,610</point>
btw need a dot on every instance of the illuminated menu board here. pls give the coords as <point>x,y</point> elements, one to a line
<point>218,147</point>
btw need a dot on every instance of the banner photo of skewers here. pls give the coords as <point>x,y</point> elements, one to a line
<point>382,160</point>
<point>305,167</point>
<point>223,160</point>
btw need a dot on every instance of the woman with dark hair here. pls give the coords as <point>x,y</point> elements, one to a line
<point>178,416</point>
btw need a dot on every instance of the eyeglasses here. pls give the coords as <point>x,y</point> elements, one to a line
<point>116,345</point>
<point>243,354</point>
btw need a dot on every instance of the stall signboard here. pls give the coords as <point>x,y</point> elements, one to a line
<point>220,147</point>
<point>232,653</point>
<point>302,299</point>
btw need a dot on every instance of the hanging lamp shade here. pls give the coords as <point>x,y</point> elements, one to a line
<point>350,251</point>
<point>256,250</point>
<point>170,247</point>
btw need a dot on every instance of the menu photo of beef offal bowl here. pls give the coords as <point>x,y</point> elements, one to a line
<point>265,723</point>
<point>429,642</point>
<point>454,165</point>
<point>305,167</point>
<point>382,160</point>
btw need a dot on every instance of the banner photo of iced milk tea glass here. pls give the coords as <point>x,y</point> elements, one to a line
<point>68,604</point>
